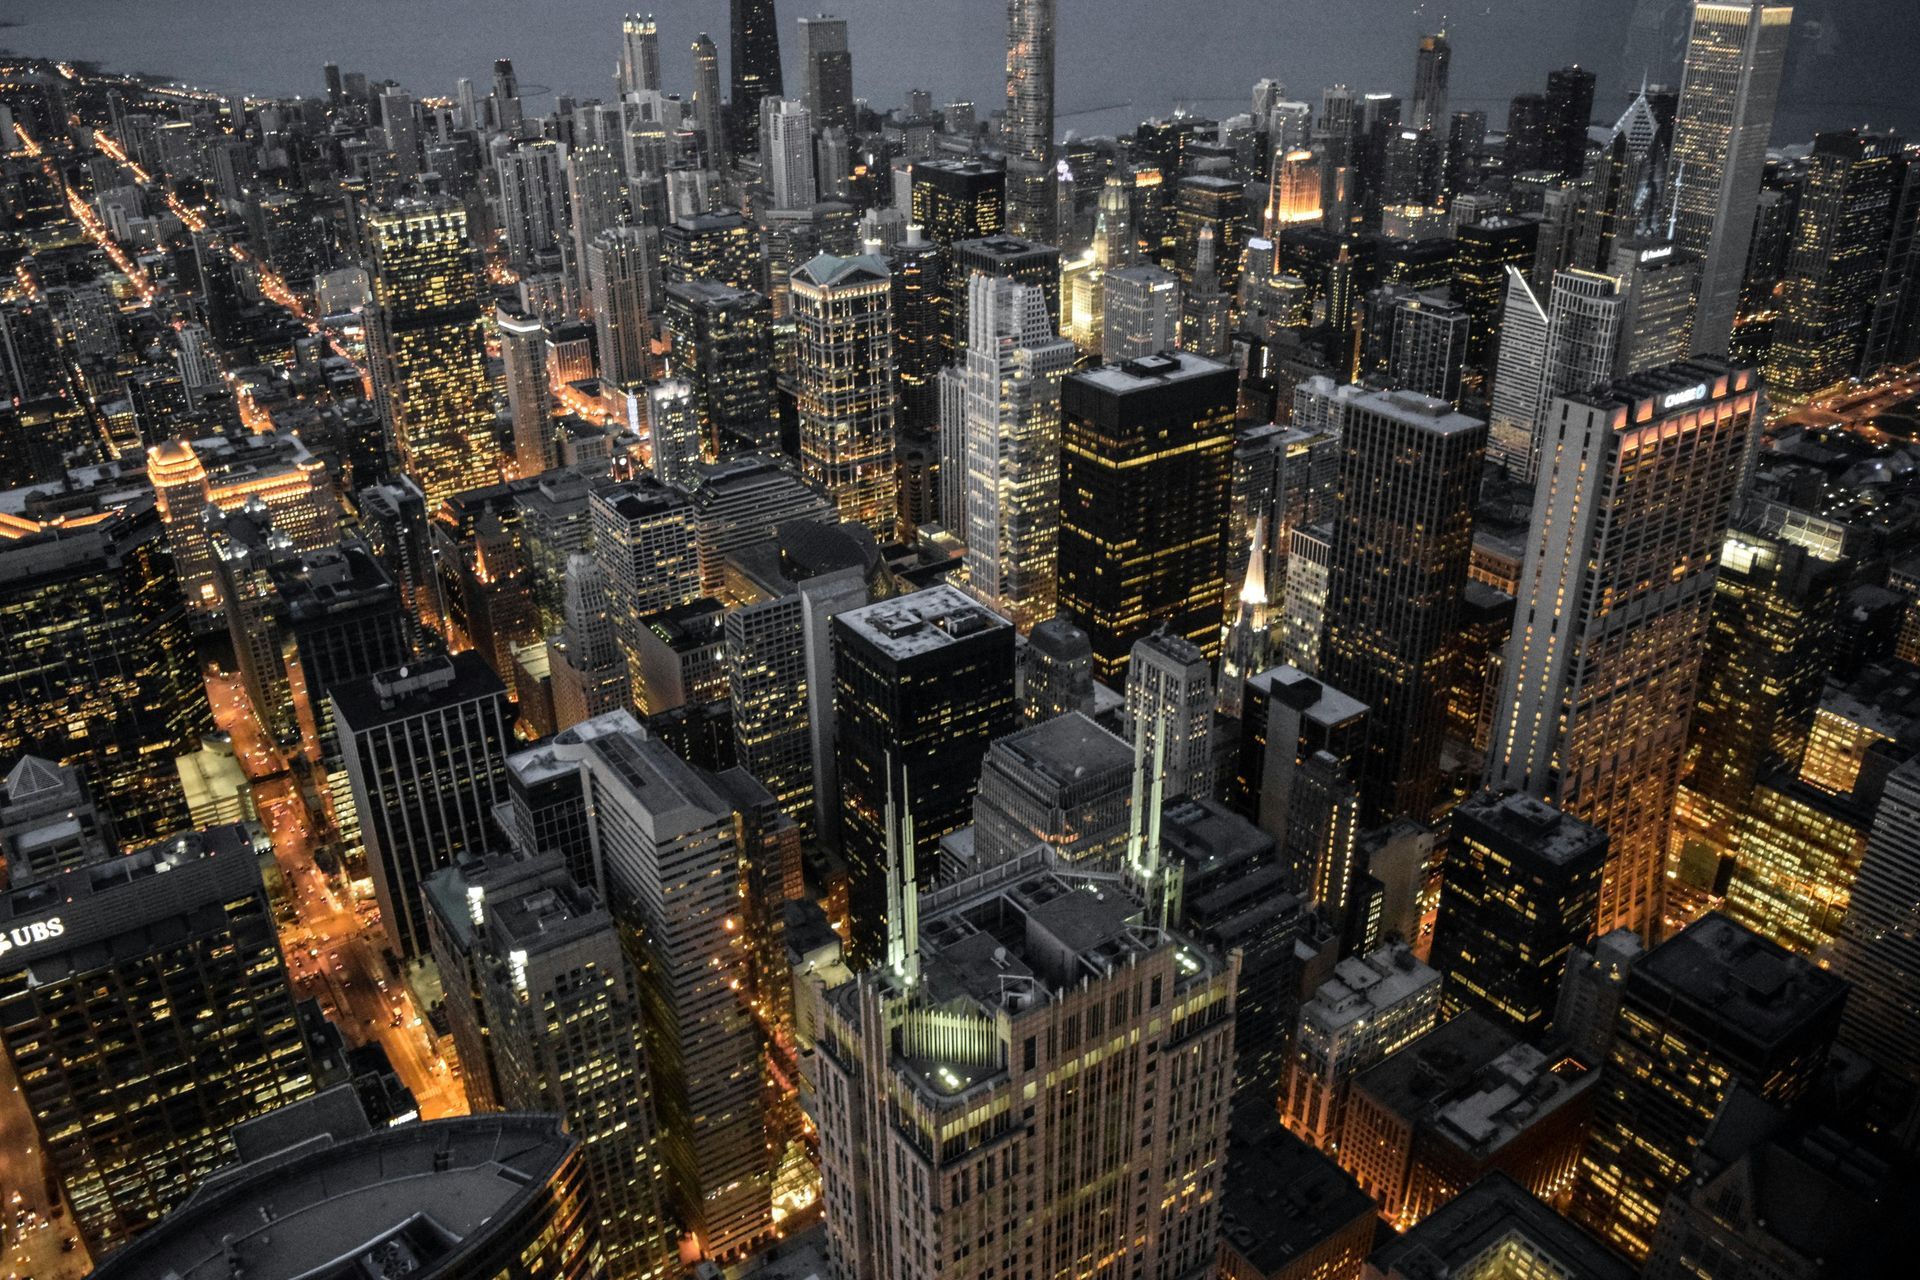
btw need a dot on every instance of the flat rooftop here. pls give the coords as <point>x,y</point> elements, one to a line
<point>1066,749</point>
<point>1752,991</point>
<point>922,622</point>
<point>1496,1213</point>
<point>395,1201</point>
<point>1533,828</point>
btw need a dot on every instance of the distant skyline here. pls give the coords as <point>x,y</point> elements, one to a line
<point>1120,60</point>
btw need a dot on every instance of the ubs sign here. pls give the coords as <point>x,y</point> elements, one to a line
<point>30,935</point>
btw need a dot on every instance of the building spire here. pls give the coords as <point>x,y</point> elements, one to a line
<point>903,894</point>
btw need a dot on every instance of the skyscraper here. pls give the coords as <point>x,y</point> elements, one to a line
<point>665,838</point>
<point>639,67</point>
<point>827,71</point>
<point>1520,891</point>
<point>1145,503</point>
<point>708,123</point>
<point>1432,69</point>
<point>1736,54</point>
<point>560,1002</point>
<point>1140,313</point>
<point>846,370</point>
<point>923,683</point>
<point>100,674</point>
<point>1008,449</point>
<point>1712,1009</point>
<point>1083,959</point>
<point>720,340</point>
<point>425,749</point>
<point>1402,538</point>
<point>533,201</point>
<point>755,61</point>
<point>1027,127</point>
<point>1564,347</point>
<point>788,162</point>
<point>427,348</point>
<point>1636,489</point>
<point>523,354</point>
<point>956,199</point>
<point>621,262</point>
<point>145,1007</point>
<point>1877,951</point>
<point>1168,715</point>
<point>1833,274</point>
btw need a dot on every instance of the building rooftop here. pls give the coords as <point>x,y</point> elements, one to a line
<point>1317,700</point>
<point>405,1200</point>
<point>1364,985</point>
<point>1425,412</point>
<point>83,917</point>
<point>1282,1198</point>
<point>1160,370</point>
<point>1065,749</point>
<point>1750,990</point>
<point>1435,1066</point>
<point>1495,1215</point>
<point>417,687</point>
<point>920,623</point>
<point>1518,822</point>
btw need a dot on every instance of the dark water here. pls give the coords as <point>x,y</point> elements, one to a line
<point>1854,61</point>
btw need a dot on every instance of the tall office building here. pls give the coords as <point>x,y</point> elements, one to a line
<point>826,71</point>
<point>532,177</point>
<point>1432,69</point>
<point>720,340</point>
<point>1761,675</point>
<point>1565,346</point>
<point>523,355</point>
<point>1736,54</point>
<point>1712,1009</point>
<point>1834,272</point>
<point>957,199</point>
<point>559,1002</point>
<point>639,69</point>
<point>755,65</point>
<point>742,502</point>
<point>1519,892</point>
<point>1402,537</point>
<point>1140,313</point>
<point>1877,951</point>
<point>589,671</point>
<point>425,748</point>
<point>1635,494</point>
<point>779,659</point>
<point>1084,960</point>
<point>923,334</point>
<point>665,840</point>
<point>1026,131</point>
<point>1288,718</point>
<point>145,1008</point>
<point>621,263</point>
<point>321,1189</point>
<point>922,684</point>
<point>427,348</point>
<point>1145,503</point>
<point>1006,449</point>
<point>643,542</point>
<point>1168,714</point>
<point>101,674</point>
<point>788,158</point>
<point>709,125</point>
<point>847,387</point>
<point>673,427</point>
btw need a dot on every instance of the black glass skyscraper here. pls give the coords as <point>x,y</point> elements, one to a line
<point>755,55</point>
